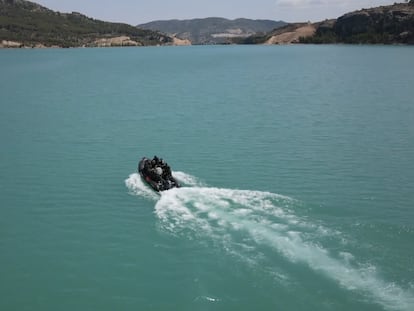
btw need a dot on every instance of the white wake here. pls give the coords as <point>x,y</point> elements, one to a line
<point>243,221</point>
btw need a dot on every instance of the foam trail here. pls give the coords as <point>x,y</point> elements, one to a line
<point>187,179</point>
<point>136,186</point>
<point>245,221</point>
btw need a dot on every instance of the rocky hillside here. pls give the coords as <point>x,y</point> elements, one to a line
<point>27,24</point>
<point>290,33</point>
<point>392,24</point>
<point>212,30</point>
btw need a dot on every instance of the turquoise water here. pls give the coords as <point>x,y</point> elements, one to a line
<point>297,163</point>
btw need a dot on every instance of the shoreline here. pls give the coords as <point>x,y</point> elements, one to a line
<point>120,41</point>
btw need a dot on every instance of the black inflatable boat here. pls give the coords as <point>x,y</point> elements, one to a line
<point>157,173</point>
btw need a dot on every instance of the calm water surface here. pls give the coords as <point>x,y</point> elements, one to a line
<point>297,163</point>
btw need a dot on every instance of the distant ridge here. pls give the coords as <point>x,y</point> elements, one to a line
<point>28,24</point>
<point>212,30</point>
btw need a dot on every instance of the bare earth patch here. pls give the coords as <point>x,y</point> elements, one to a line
<point>178,41</point>
<point>10,44</point>
<point>293,35</point>
<point>116,41</point>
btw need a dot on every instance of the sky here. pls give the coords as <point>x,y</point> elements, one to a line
<point>136,12</point>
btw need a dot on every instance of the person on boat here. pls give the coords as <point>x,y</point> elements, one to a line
<point>166,171</point>
<point>154,174</point>
<point>162,163</point>
<point>166,184</point>
<point>147,167</point>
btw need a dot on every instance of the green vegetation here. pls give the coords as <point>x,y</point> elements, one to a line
<point>393,24</point>
<point>382,25</point>
<point>28,24</point>
<point>32,24</point>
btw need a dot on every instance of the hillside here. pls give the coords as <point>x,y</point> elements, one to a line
<point>212,30</point>
<point>27,24</point>
<point>24,23</point>
<point>290,33</point>
<point>393,24</point>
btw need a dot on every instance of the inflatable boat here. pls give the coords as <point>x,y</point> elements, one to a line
<point>157,174</point>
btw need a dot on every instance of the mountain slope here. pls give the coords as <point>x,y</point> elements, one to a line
<point>391,24</point>
<point>212,30</point>
<point>29,24</point>
<point>290,33</point>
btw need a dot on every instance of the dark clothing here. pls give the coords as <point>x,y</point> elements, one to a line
<point>151,165</point>
<point>166,171</point>
<point>154,176</point>
<point>147,166</point>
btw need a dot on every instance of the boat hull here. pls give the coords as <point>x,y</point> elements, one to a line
<point>162,184</point>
